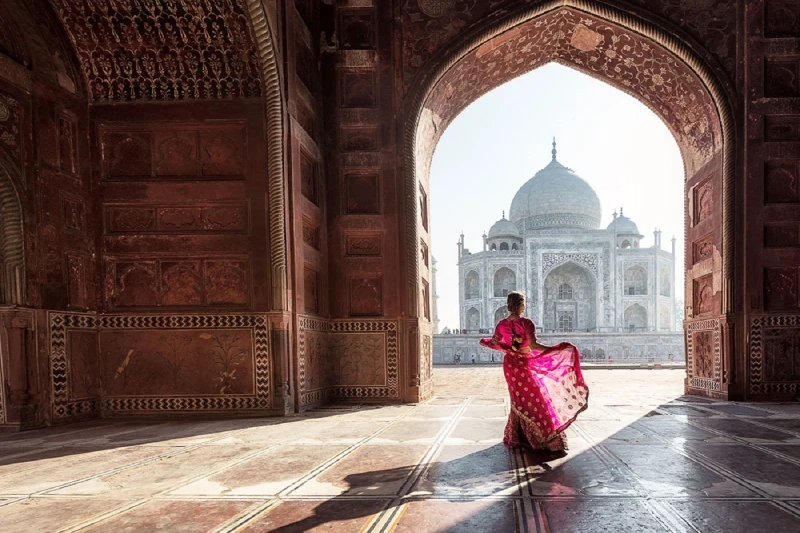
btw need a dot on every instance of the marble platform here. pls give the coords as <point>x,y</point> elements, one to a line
<point>643,458</point>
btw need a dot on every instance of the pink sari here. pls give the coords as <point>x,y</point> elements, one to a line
<point>547,388</point>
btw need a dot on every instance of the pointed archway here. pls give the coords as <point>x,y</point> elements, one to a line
<point>634,56</point>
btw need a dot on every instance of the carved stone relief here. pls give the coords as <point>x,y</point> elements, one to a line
<point>366,297</point>
<point>780,182</point>
<point>128,154</point>
<point>359,138</point>
<point>782,18</point>
<point>362,194</point>
<point>781,77</point>
<point>703,248</point>
<point>10,123</point>
<point>84,366</point>
<point>357,29</point>
<point>363,244</point>
<point>704,202</point>
<point>359,359</point>
<point>780,288</point>
<point>358,88</point>
<point>179,219</point>
<point>703,363</point>
<point>311,290</point>
<point>173,50</point>
<point>703,295</point>
<point>67,143</point>
<point>782,235</point>
<point>311,234</point>
<point>782,128</point>
<point>775,355</point>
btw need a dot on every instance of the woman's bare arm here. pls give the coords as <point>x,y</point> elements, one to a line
<point>540,347</point>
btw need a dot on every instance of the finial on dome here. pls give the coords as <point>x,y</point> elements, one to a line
<point>504,213</point>
<point>615,214</point>
<point>554,149</point>
<point>620,211</point>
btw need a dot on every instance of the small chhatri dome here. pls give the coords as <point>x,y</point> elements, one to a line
<point>556,197</point>
<point>504,228</point>
<point>622,225</point>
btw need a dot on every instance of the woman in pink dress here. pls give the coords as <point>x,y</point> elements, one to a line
<point>545,382</point>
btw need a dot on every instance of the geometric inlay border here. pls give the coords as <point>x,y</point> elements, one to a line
<point>390,390</point>
<point>307,323</point>
<point>756,365</point>
<point>710,384</point>
<point>63,406</point>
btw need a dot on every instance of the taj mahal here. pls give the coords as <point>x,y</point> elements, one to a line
<point>600,287</point>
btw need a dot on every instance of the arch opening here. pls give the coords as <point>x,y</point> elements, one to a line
<point>609,45</point>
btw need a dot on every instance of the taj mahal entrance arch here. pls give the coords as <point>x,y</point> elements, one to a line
<point>646,61</point>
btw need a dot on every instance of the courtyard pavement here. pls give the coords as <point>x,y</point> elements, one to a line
<point>643,458</point>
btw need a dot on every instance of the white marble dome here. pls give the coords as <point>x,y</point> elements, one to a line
<point>504,228</point>
<point>555,197</point>
<point>622,225</point>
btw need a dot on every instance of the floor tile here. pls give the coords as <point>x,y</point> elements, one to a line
<point>44,515</point>
<point>469,471</point>
<point>368,471</point>
<point>600,517</point>
<point>457,516</point>
<point>333,515</point>
<point>737,517</point>
<point>264,475</point>
<point>173,516</point>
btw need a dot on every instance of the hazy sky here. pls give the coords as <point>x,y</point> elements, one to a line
<point>614,142</point>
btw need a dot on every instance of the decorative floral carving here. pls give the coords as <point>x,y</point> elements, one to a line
<point>128,154</point>
<point>360,244</point>
<point>703,248</point>
<point>135,284</point>
<point>359,359</point>
<point>623,58</point>
<point>132,219</point>
<point>704,202</point>
<point>226,282</point>
<point>168,50</point>
<point>221,155</point>
<point>703,354</point>
<point>177,155</point>
<point>10,120</point>
<point>181,284</point>
<point>780,288</point>
<point>366,297</point>
<point>550,261</point>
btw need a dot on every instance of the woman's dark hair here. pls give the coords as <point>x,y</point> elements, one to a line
<point>515,301</point>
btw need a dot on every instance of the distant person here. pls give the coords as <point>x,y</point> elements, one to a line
<point>473,359</point>
<point>671,358</point>
<point>549,377</point>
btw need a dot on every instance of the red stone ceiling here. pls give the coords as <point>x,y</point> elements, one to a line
<point>162,49</point>
<point>624,59</point>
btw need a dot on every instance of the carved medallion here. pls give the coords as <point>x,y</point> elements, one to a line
<point>436,8</point>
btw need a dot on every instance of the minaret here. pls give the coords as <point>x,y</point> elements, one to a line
<point>435,299</point>
<point>460,246</point>
<point>485,239</point>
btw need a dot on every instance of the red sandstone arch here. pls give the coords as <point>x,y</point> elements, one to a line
<point>633,55</point>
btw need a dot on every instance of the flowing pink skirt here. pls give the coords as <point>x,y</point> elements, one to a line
<point>547,393</point>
